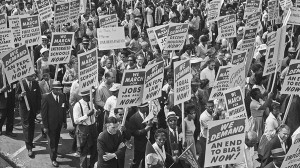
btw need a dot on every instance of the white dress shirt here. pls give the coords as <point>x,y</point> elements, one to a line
<point>110,105</point>
<point>204,118</point>
<point>83,119</point>
<point>208,74</point>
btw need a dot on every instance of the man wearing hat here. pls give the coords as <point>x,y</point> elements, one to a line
<point>291,55</point>
<point>33,93</point>
<point>278,157</point>
<point>19,10</point>
<point>53,113</point>
<point>84,118</point>
<point>37,49</point>
<point>139,131</point>
<point>137,25</point>
<point>85,45</point>
<point>111,102</point>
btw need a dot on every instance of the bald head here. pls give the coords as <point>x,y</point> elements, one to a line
<point>251,138</point>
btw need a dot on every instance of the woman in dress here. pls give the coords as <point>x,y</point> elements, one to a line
<point>70,76</point>
<point>149,11</point>
<point>134,46</point>
<point>42,62</point>
<point>190,127</point>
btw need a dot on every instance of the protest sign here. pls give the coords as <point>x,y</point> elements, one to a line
<point>253,20</point>
<point>60,47</point>
<point>297,4</point>
<point>225,142</point>
<point>189,157</point>
<point>249,38</point>
<point>292,158</point>
<point>291,83</point>
<point>44,9</point>
<point>108,20</point>
<point>82,7</point>
<point>213,11</point>
<point>294,17</point>
<point>182,81</point>
<point>227,26</point>
<point>237,76</point>
<point>235,104</point>
<point>14,24</point>
<point>270,64</point>
<point>238,57</point>
<point>280,43</point>
<point>6,40</point>
<point>249,59</point>
<point>30,30</point>
<point>176,36</point>
<point>272,8</point>
<point>3,21</point>
<point>88,70</point>
<point>61,13</point>
<point>161,33</point>
<point>285,4</point>
<point>152,38</point>
<point>17,64</point>
<point>74,10</point>
<point>252,6</point>
<point>271,38</point>
<point>220,84</point>
<point>131,91</point>
<point>111,38</point>
<point>153,81</point>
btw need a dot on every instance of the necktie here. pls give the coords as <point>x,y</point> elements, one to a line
<point>30,85</point>
<point>175,135</point>
<point>88,104</point>
<point>57,99</point>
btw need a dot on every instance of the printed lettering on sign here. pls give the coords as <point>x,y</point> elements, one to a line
<point>60,48</point>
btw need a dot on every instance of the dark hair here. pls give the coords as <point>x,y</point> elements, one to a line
<point>210,102</point>
<point>116,110</point>
<point>282,127</point>
<point>253,92</point>
<point>210,61</point>
<point>189,108</point>
<point>256,67</point>
<point>101,71</point>
<point>89,22</point>
<point>170,75</point>
<point>160,131</point>
<point>107,74</point>
<point>259,78</point>
<point>135,34</point>
<point>111,120</point>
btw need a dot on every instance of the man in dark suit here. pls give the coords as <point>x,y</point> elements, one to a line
<point>173,143</point>
<point>53,113</point>
<point>85,45</point>
<point>37,49</point>
<point>278,157</point>
<point>137,26</point>
<point>3,99</point>
<point>281,140</point>
<point>33,94</point>
<point>139,131</point>
<point>110,145</point>
<point>220,61</point>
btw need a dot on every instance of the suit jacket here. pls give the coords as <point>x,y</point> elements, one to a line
<point>44,87</point>
<point>33,96</point>
<point>135,28</point>
<point>53,113</point>
<point>218,64</point>
<point>110,144</point>
<point>2,94</point>
<point>138,132</point>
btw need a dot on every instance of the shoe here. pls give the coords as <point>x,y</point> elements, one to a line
<point>10,134</point>
<point>30,153</point>
<point>54,163</point>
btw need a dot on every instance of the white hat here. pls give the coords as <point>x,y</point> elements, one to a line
<point>196,60</point>
<point>43,50</point>
<point>44,37</point>
<point>115,87</point>
<point>171,114</point>
<point>84,93</point>
<point>262,47</point>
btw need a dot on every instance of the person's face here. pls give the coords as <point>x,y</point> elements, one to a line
<point>192,115</point>
<point>93,12</point>
<point>120,114</point>
<point>56,91</point>
<point>284,134</point>
<point>140,61</point>
<point>188,51</point>
<point>260,71</point>
<point>111,78</point>
<point>251,143</point>
<point>112,128</point>
<point>127,17</point>
<point>143,35</point>
<point>87,11</point>
<point>123,58</point>
<point>276,111</point>
<point>21,6</point>
<point>115,93</point>
<point>90,26</point>
<point>292,55</point>
<point>212,65</point>
<point>130,61</point>
<point>85,45</point>
<point>30,78</point>
<point>144,110</point>
<point>221,56</point>
<point>172,122</point>
<point>171,82</point>
<point>259,95</point>
<point>45,41</point>
<point>209,107</point>
<point>75,66</point>
<point>46,77</point>
<point>45,55</point>
<point>86,98</point>
<point>190,18</point>
<point>160,139</point>
<point>191,5</point>
<point>290,32</point>
<point>269,28</point>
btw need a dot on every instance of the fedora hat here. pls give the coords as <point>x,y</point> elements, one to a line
<point>171,114</point>
<point>56,85</point>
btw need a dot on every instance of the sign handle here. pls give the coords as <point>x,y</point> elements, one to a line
<point>91,98</point>
<point>182,122</point>
<point>274,79</point>
<point>287,109</point>
<point>269,82</point>
<point>56,72</point>
<point>31,54</point>
<point>125,116</point>
<point>3,79</point>
<point>292,35</point>
<point>25,97</point>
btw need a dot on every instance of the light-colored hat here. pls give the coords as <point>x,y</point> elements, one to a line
<point>292,50</point>
<point>115,87</point>
<point>143,105</point>
<point>262,47</point>
<point>196,60</point>
<point>44,37</point>
<point>56,85</point>
<point>84,93</point>
<point>240,30</point>
<point>171,114</point>
<point>175,57</point>
<point>44,50</point>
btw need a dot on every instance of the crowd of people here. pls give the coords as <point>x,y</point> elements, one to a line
<point>99,127</point>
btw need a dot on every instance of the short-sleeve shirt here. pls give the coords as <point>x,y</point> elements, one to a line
<point>204,118</point>
<point>208,74</point>
<point>254,107</point>
<point>110,105</point>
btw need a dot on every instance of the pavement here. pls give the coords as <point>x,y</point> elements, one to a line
<point>14,152</point>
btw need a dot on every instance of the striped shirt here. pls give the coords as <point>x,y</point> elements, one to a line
<point>102,94</point>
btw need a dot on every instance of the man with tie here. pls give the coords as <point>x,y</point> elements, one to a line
<point>86,131</point>
<point>220,61</point>
<point>33,94</point>
<point>139,131</point>
<point>46,83</point>
<point>53,113</point>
